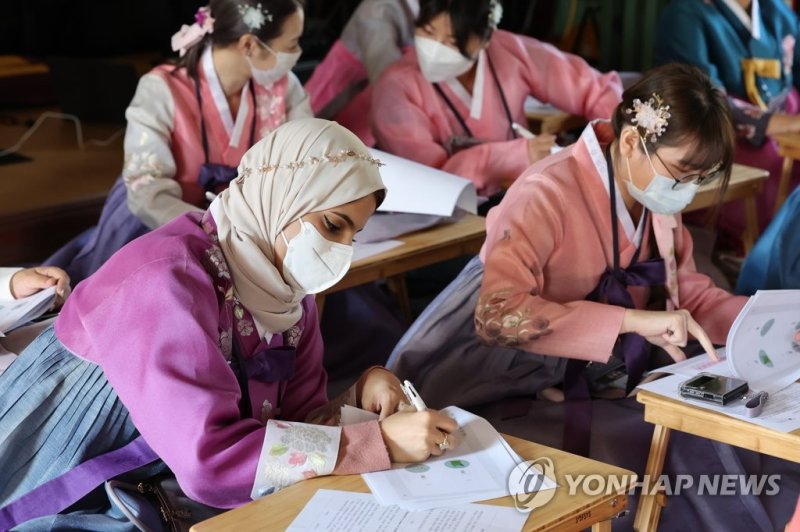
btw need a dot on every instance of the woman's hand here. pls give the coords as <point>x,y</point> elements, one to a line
<point>27,282</point>
<point>414,436</point>
<point>539,146</point>
<point>380,392</point>
<point>668,330</point>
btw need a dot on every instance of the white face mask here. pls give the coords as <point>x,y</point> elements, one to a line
<point>312,263</point>
<point>439,62</point>
<point>267,76</point>
<point>659,196</point>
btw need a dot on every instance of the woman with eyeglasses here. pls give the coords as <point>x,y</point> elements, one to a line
<point>586,259</point>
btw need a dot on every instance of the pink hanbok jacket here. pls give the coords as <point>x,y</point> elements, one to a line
<point>411,120</point>
<point>549,242</point>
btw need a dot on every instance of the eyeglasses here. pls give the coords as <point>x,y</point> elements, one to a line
<point>696,177</point>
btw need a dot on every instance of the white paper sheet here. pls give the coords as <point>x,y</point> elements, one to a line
<point>364,250</point>
<point>692,366</point>
<point>385,226</point>
<point>476,470</point>
<point>416,188</point>
<point>18,312</point>
<point>332,510</point>
<point>781,411</point>
<point>6,359</point>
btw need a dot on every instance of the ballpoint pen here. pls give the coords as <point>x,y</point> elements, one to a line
<point>524,133</point>
<point>413,396</point>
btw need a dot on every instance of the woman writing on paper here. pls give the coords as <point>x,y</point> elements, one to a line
<point>201,337</point>
<point>190,123</point>
<point>451,101</point>
<point>375,36</point>
<point>585,259</point>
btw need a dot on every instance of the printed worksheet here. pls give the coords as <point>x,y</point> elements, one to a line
<point>332,510</point>
<point>18,312</point>
<point>477,469</point>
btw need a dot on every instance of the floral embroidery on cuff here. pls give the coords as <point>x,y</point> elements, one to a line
<point>499,326</point>
<point>293,452</point>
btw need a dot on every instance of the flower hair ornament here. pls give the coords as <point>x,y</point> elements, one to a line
<point>332,158</point>
<point>495,13</point>
<point>254,16</point>
<point>651,116</point>
<point>188,36</point>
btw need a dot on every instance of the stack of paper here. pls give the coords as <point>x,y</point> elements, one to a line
<point>477,470</point>
<point>18,312</point>
<point>330,510</point>
<point>417,197</point>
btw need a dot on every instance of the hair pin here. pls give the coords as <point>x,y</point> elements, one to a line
<point>254,16</point>
<point>652,116</point>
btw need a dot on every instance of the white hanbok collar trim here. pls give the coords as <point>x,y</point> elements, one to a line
<point>589,138</point>
<point>751,21</point>
<point>473,101</point>
<point>234,129</point>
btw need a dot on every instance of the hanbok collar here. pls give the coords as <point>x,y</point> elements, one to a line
<point>592,143</point>
<point>751,21</point>
<point>234,129</point>
<point>473,101</point>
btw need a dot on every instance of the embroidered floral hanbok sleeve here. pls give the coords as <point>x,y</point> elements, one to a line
<point>511,309</point>
<point>153,195</point>
<point>297,102</point>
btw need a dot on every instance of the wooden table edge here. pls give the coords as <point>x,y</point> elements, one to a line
<point>675,412</point>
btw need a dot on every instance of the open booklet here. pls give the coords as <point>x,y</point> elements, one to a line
<point>477,469</point>
<point>762,349</point>
<point>16,313</point>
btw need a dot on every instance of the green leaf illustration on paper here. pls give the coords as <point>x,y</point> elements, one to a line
<point>767,326</point>
<point>317,460</point>
<point>764,358</point>
<point>278,449</point>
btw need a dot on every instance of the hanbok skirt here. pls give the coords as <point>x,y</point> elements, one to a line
<point>442,355</point>
<point>84,254</point>
<point>57,411</point>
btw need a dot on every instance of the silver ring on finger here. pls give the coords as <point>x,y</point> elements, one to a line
<point>445,444</point>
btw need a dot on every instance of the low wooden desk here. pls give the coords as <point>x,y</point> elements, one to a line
<point>419,249</point>
<point>667,414</point>
<point>46,201</point>
<point>746,184</point>
<point>564,512</point>
<point>789,149</point>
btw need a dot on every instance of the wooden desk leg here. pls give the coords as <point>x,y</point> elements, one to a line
<point>783,184</point>
<point>319,299</point>
<point>397,285</point>
<point>649,511</point>
<point>602,526</point>
<point>751,224</point>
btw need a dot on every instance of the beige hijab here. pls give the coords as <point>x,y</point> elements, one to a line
<point>304,166</point>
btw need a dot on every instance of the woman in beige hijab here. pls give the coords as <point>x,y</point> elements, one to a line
<point>202,338</point>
